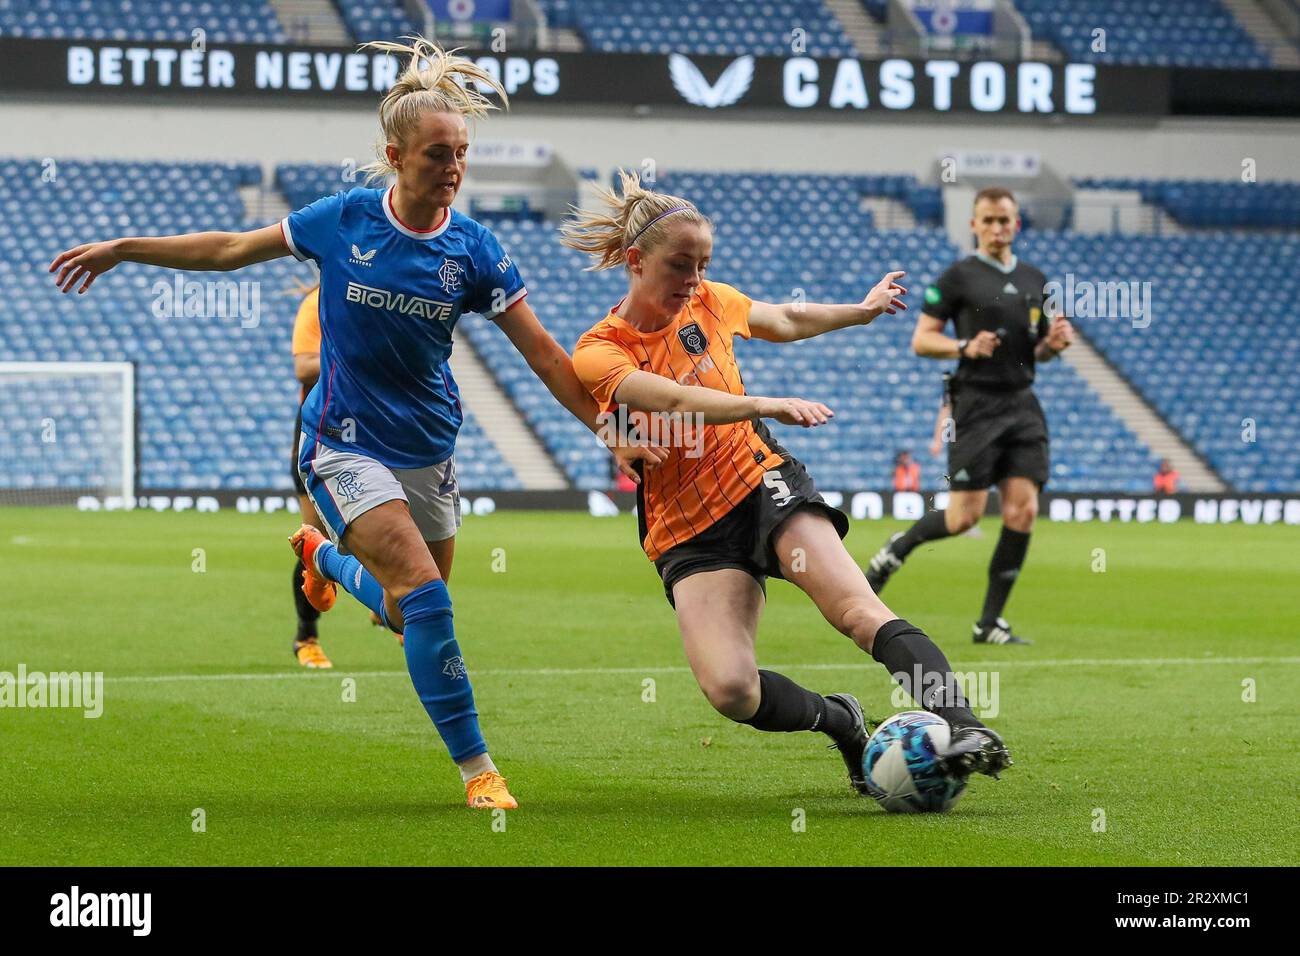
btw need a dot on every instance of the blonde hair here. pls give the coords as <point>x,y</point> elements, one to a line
<point>434,81</point>
<point>639,217</point>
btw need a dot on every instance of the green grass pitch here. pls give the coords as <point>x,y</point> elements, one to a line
<point>1130,705</point>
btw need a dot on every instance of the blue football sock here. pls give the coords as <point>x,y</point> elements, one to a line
<point>438,671</point>
<point>353,578</point>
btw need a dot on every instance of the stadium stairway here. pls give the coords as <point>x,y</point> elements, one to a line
<point>867,35</point>
<point>502,422</point>
<point>312,21</point>
<point>1255,21</point>
<point>1162,223</point>
<point>1141,418</point>
<point>889,213</point>
<point>1040,49</point>
<point>560,40</point>
<point>263,205</point>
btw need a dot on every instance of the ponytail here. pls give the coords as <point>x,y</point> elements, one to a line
<point>434,81</point>
<point>639,217</point>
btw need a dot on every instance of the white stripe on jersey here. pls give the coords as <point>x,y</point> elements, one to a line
<point>288,238</point>
<point>508,303</point>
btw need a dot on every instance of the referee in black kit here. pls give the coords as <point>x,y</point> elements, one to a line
<point>995,302</point>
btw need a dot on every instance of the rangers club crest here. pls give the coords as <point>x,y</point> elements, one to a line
<point>348,485</point>
<point>450,273</point>
<point>693,339</point>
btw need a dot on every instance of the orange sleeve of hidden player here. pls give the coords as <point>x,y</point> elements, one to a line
<point>735,308</point>
<point>306,325</point>
<point>601,366</point>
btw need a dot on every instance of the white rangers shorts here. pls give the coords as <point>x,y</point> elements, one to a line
<point>344,486</point>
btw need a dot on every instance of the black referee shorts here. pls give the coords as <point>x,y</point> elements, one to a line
<point>997,435</point>
<point>742,539</point>
<point>293,461</point>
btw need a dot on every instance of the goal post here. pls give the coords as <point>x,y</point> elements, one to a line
<point>68,430</point>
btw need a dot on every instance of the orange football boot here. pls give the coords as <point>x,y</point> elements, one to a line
<point>309,654</point>
<point>321,591</point>
<point>488,791</point>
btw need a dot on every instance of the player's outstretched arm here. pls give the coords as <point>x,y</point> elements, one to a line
<point>646,392</point>
<point>549,361</point>
<point>306,368</point>
<point>196,251</point>
<point>554,367</point>
<point>791,321</point>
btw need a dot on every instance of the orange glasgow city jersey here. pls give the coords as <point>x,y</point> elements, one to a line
<point>306,327</point>
<point>701,481</point>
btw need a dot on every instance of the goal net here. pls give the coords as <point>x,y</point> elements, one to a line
<point>67,430</point>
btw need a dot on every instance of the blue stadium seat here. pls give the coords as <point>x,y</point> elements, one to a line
<point>216,399</point>
<point>1152,32</point>
<point>1206,202</point>
<point>1217,354</point>
<point>376,19</point>
<point>728,28</point>
<point>228,21</point>
<point>773,239</point>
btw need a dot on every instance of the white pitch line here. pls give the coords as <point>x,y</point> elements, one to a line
<point>598,671</point>
<point>204,678</point>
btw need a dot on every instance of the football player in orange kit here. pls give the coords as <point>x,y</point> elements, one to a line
<point>719,517</point>
<point>306,369</point>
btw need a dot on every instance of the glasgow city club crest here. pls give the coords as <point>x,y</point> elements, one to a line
<point>450,273</point>
<point>692,339</point>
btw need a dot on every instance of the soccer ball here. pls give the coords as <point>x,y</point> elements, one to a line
<point>901,769</point>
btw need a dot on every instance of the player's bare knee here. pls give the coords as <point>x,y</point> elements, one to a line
<point>732,695</point>
<point>860,619</point>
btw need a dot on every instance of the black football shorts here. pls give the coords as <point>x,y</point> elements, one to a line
<point>997,435</point>
<point>742,538</point>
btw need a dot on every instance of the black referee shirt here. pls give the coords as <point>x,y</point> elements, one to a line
<point>978,294</point>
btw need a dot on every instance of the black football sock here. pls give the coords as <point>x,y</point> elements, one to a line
<point>1008,557</point>
<point>784,706</point>
<point>918,665</point>
<point>307,615</point>
<point>929,527</point>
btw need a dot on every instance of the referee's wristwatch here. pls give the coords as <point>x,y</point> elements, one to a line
<point>961,347</point>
